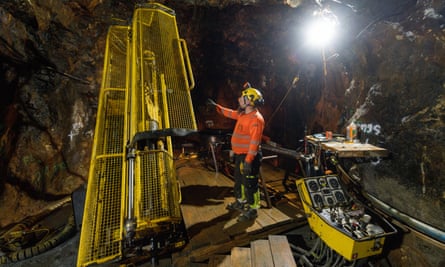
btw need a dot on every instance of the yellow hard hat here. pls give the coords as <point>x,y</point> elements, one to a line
<point>254,95</point>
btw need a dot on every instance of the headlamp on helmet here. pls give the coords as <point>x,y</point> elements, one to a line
<point>254,95</point>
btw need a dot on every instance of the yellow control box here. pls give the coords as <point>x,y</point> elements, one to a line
<point>346,226</point>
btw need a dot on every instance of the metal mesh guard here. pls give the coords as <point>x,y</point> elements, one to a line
<point>101,226</point>
<point>157,197</point>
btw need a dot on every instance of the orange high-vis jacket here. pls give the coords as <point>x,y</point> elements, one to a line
<point>246,137</point>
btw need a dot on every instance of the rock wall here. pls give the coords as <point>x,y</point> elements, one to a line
<point>51,61</point>
<point>385,71</point>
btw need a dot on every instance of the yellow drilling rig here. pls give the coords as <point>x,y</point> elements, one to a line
<point>132,202</point>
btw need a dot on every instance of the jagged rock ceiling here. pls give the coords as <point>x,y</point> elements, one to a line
<point>386,71</point>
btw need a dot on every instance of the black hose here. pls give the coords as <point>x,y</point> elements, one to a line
<point>338,258</point>
<point>304,261</point>
<point>329,256</point>
<point>68,231</point>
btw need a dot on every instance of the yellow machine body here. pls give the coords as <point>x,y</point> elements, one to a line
<point>133,196</point>
<point>322,195</point>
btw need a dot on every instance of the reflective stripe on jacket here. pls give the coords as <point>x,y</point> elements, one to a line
<point>246,137</point>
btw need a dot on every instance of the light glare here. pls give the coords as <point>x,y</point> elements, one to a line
<point>322,29</point>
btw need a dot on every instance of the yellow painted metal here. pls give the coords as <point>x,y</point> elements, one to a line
<point>146,86</point>
<point>348,246</point>
<point>102,220</point>
<point>162,79</point>
<point>160,99</point>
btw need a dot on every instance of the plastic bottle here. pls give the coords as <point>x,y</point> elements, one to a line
<point>351,132</point>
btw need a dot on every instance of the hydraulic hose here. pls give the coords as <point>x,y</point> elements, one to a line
<point>68,231</point>
<point>320,255</point>
<point>417,225</point>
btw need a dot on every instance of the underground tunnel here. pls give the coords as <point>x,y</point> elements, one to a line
<point>381,70</point>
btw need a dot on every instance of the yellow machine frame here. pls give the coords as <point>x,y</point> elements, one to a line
<point>317,212</point>
<point>133,196</point>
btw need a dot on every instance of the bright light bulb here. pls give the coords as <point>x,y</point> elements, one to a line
<point>322,30</point>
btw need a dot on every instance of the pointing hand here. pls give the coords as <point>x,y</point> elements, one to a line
<point>211,102</point>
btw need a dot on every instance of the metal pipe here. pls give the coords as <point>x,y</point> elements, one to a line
<point>130,222</point>
<point>130,211</point>
<point>422,227</point>
<point>212,149</point>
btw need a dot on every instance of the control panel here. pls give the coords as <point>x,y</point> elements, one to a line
<point>325,192</point>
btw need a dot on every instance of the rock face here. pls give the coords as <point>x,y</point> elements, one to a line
<point>51,55</point>
<point>385,72</point>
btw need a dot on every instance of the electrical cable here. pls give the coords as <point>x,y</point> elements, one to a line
<point>43,245</point>
<point>294,83</point>
<point>320,255</point>
<point>338,258</point>
<point>68,231</point>
<point>420,226</point>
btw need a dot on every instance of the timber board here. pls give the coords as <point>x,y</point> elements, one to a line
<point>220,261</point>
<point>261,253</point>
<point>240,257</point>
<point>282,254</point>
<point>211,228</point>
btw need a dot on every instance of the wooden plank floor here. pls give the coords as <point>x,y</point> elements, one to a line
<point>211,228</point>
<point>272,252</point>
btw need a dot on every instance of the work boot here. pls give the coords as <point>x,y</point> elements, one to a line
<point>236,205</point>
<point>247,215</point>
